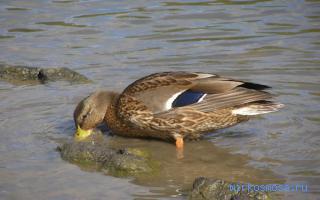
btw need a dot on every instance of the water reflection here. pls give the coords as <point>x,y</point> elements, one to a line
<point>201,158</point>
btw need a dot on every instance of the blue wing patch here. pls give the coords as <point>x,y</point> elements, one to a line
<point>187,97</point>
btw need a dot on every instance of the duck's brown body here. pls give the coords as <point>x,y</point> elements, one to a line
<point>116,125</point>
<point>188,128</point>
<point>173,105</point>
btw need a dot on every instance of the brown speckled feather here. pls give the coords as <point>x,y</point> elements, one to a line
<point>142,105</point>
<point>229,99</point>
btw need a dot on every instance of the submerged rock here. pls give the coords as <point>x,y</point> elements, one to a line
<point>95,153</point>
<point>24,73</point>
<point>209,189</point>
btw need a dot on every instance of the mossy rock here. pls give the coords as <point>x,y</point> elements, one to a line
<point>127,163</point>
<point>12,73</point>
<point>96,154</point>
<point>208,189</point>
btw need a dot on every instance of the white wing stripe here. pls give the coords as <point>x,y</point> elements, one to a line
<point>168,104</point>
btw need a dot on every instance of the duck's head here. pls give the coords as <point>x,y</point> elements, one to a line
<point>90,112</point>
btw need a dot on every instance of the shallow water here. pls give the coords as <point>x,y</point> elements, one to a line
<point>113,43</point>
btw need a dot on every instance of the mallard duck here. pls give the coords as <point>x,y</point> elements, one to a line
<point>173,106</point>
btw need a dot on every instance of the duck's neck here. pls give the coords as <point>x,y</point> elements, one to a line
<point>112,119</point>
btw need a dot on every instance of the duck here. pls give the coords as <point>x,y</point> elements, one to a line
<point>173,106</point>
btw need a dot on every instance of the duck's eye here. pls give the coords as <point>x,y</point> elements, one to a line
<point>86,115</point>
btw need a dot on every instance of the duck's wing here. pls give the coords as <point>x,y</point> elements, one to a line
<point>233,98</point>
<point>165,92</point>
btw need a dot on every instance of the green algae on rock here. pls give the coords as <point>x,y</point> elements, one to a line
<point>13,73</point>
<point>207,189</point>
<point>95,154</point>
<point>125,162</point>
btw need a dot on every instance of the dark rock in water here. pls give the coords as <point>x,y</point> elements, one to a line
<point>24,73</point>
<point>94,153</point>
<point>209,189</point>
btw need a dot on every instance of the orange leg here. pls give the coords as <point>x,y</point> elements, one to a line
<point>179,143</point>
<point>179,146</point>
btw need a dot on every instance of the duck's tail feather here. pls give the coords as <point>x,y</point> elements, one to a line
<point>257,108</point>
<point>254,86</point>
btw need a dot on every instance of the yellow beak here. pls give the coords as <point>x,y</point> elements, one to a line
<point>82,134</point>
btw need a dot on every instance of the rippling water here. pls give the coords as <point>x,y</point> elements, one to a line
<point>270,42</point>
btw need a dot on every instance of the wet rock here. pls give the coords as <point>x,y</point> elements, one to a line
<point>12,73</point>
<point>125,162</point>
<point>208,189</point>
<point>95,153</point>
